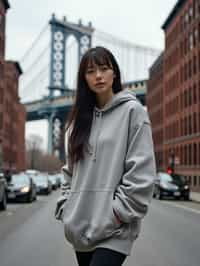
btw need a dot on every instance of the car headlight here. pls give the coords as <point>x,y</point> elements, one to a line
<point>163,185</point>
<point>25,189</point>
<point>186,187</point>
<point>169,186</point>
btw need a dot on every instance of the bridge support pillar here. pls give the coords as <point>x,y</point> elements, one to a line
<point>56,134</point>
<point>50,133</point>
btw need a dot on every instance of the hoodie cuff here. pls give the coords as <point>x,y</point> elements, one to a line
<point>121,212</point>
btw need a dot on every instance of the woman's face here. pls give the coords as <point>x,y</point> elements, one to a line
<point>99,78</point>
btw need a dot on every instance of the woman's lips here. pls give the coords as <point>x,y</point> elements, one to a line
<point>99,85</point>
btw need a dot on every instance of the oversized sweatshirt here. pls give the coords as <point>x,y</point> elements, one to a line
<point>116,175</point>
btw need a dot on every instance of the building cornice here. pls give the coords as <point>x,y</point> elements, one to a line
<point>173,13</point>
<point>17,65</point>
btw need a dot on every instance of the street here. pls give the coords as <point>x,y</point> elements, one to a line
<point>29,235</point>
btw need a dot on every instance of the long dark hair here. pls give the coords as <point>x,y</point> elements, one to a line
<point>80,118</point>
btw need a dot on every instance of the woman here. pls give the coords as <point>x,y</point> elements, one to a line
<point>111,167</point>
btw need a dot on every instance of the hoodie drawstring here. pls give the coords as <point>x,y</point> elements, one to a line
<point>98,115</point>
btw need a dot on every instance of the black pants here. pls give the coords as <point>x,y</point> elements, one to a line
<point>100,257</point>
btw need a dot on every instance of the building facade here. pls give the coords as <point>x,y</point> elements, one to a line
<point>181,91</point>
<point>154,101</point>
<point>3,9</point>
<point>12,113</point>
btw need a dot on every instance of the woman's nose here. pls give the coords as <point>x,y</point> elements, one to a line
<point>98,73</point>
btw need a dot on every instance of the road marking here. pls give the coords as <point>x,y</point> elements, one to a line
<point>182,207</point>
<point>8,213</point>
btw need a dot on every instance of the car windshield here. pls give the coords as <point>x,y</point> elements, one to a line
<point>178,178</point>
<point>40,178</point>
<point>165,177</point>
<point>20,179</point>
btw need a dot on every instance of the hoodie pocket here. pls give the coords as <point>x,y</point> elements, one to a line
<point>135,227</point>
<point>89,218</point>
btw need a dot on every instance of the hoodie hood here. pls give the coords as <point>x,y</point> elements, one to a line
<point>117,99</point>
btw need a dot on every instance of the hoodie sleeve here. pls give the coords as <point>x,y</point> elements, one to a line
<point>66,186</point>
<point>134,193</point>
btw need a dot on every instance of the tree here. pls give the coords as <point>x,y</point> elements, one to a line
<point>39,160</point>
<point>34,151</point>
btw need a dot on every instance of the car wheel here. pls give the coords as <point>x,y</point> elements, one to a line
<point>3,203</point>
<point>177,198</point>
<point>35,198</point>
<point>187,197</point>
<point>30,198</point>
<point>159,194</point>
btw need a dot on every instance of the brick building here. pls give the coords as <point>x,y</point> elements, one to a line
<point>12,113</point>
<point>154,99</point>
<point>181,91</point>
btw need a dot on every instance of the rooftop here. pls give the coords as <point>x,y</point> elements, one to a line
<point>173,13</point>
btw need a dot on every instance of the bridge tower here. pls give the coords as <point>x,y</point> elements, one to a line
<point>60,32</point>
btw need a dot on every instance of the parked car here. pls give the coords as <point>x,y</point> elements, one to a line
<point>43,184</point>
<point>61,178</point>
<point>173,185</point>
<point>55,181</point>
<point>32,172</point>
<point>3,197</point>
<point>21,187</point>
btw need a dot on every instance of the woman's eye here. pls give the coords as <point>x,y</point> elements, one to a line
<point>89,71</point>
<point>104,68</point>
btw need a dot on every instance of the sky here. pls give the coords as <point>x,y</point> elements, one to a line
<point>138,22</point>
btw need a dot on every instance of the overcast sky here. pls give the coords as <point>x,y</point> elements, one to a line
<point>136,21</point>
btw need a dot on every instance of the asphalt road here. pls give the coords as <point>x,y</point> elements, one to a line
<point>29,236</point>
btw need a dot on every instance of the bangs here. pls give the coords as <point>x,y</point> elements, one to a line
<point>98,58</point>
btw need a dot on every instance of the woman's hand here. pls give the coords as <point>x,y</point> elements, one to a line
<point>117,217</point>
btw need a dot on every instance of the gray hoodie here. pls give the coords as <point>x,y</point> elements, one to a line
<point>117,174</point>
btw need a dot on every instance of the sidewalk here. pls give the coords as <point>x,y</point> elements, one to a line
<point>195,196</point>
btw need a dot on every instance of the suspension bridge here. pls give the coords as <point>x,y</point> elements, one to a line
<point>48,84</point>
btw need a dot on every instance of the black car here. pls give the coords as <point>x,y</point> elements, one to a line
<point>21,187</point>
<point>173,185</point>
<point>3,198</point>
<point>43,184</point>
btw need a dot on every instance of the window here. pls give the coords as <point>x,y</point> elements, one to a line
<point>185,44</point>
<point>199,153</point>
<point>1,95</point>
<point>190,154</point>
<point>195,37</point>
<point>185,154</point>
<point>199,32</point>
<point>186,19</point>
<point>195,154</point>
<point>190,13</point>
<point>1,120</point>
<point>194,180</point>
<point>191,41</point>
<point>190,69</point>
<point>194,94</point>
<point>190,125</point>
<point>185,98</point>
<point>194,64</point>
<point>195,122</point>
<point>185,126</point>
